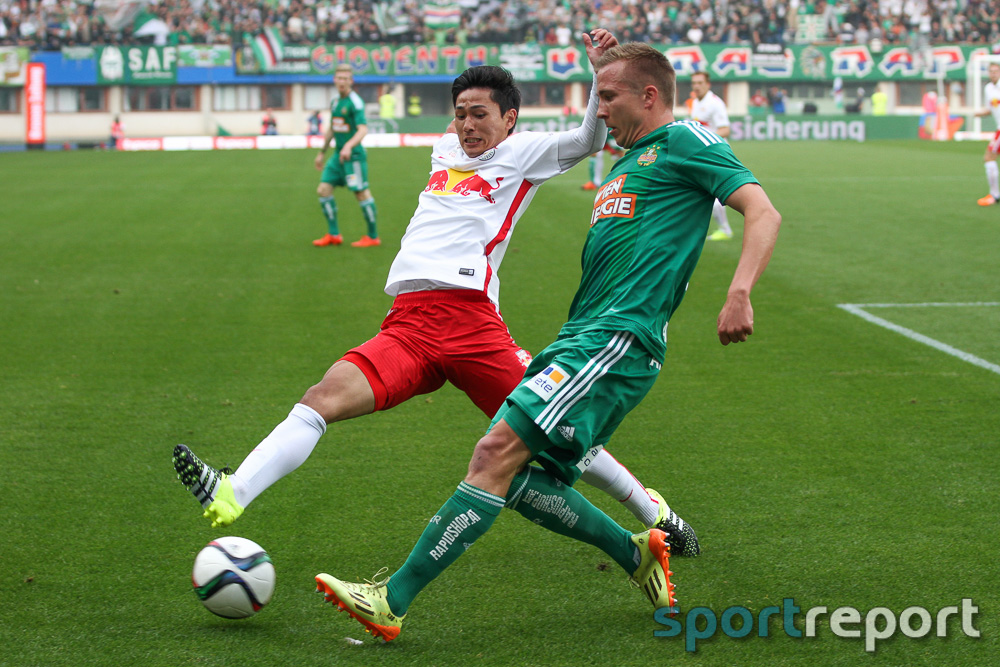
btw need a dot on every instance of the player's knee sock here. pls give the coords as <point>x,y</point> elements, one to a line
<point>285,449</point>
<point>604,472</point>
<point>329,206</point>
<point>993,178</point>
<point>597,168</point>
<point>538,496</point>
<point>462,520</point>
<point>719,213</point>
<point>368,210</point>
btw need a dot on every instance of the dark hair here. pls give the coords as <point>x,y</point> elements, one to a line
<point>500,82</point>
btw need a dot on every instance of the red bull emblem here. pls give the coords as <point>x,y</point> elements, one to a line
<point>465,183</point>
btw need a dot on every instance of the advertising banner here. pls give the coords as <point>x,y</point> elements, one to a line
<point>136,65</point>
<point>12,65</point>
<point>34,93</point>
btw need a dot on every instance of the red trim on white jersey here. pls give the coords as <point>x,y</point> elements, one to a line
<point>508,223</point>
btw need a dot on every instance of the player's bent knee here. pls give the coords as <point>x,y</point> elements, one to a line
<point>324,190</point>
<point>343,393</point>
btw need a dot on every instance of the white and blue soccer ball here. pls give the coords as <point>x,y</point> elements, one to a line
<point>233,577</point>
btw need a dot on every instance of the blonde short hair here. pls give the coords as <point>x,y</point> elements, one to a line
<point>646,66</point>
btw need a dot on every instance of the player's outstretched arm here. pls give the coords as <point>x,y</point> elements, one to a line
<point>597,43</point>
<point>579,143</point>
<point>760,233</point>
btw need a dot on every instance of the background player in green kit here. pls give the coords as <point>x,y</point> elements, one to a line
<point>349,164</point>
<point>646,233</point>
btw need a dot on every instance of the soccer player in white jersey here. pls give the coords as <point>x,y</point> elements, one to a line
<point>445,323</point>
<point>991,95</point>
<point>709,110</point>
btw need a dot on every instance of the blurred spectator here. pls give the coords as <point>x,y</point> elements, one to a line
<point>268,124</point>
<point>52,24</point>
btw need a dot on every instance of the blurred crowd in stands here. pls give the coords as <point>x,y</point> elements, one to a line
<point>52,24</point>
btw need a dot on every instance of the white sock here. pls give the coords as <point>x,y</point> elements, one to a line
<point>285,449</point>
<point>597,168</point>
<point>605,473</point>
<point>993,178</point>
<point>719,213</point>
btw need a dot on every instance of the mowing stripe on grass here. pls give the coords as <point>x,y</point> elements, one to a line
<point>858,309</point>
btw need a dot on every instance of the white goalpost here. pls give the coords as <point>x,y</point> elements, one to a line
<point>975,78</point>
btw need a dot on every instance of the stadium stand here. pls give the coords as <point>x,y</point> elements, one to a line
<point>53,24</point>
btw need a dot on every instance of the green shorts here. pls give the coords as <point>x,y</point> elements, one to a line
<point>575,394</point>
<point>353,173</point>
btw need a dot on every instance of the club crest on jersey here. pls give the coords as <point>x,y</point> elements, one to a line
<point>648,157</point>
<point>548,381</point>
<point>611,202</point>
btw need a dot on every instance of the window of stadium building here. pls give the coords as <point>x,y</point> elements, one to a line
<point>8,100</point>
<point>318,97</point>
<point>70,99</point>
<point>251,98</point>
<point>161,98</point>
<point>543,94</point>
<point>911,93</point>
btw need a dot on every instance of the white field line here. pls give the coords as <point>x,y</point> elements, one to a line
<point>859,310</point>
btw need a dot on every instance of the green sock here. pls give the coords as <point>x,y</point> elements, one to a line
<point>329,206</point>
<point>368,210</point>
<point>466,516</point>
<point>595,178</point>
<point>539,497</point>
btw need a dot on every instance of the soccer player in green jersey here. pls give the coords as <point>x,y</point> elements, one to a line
<point>349,164</point>
<point>646,233</point>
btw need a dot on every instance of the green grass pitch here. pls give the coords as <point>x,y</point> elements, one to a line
<point>154,298</point>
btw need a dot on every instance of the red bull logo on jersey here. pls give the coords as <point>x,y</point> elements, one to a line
<point>465,183</point>
<point>612,202</point>
<point>687,60</point>
<point>854,61</point>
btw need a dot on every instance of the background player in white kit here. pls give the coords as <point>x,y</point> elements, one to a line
<point>445,323</point>
<point>991,95</point>
<point>709,110</point>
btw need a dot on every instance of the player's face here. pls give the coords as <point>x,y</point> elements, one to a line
<point>344,81</point>
<point>620,106</point>
<point>994,73</point>
<point>478,121</point>
<point>699,86</point>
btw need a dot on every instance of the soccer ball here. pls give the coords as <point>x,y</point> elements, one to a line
<point>233,577</point>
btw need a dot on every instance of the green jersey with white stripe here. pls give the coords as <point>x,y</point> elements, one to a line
<point>647,231</point>
<point>346,114</point>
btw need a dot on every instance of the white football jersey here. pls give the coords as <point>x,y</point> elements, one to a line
<point>467,212</point>
<point>991,97</point>
<point>710,111</point>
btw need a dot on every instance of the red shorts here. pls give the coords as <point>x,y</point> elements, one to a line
<point>994,146</point>
<point>437,335</point>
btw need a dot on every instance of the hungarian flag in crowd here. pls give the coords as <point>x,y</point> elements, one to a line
<point>442,15</point>
<point>268,48</point>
